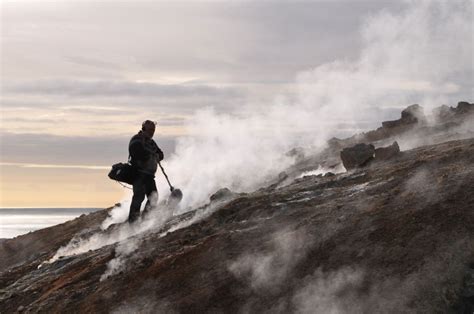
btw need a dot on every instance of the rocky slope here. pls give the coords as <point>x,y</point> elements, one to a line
<point>395,235</point>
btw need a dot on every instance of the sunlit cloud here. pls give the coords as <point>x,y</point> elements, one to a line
<point>86,88</point>
<point>26,165</point>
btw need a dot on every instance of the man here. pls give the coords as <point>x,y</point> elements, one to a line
<point>144,155</point>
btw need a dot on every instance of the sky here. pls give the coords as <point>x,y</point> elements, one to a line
<point>78,77</point>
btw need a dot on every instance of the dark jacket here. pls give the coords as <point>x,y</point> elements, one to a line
<point>144,153</point>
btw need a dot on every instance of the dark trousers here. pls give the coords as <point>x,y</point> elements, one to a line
<point>143,185</point>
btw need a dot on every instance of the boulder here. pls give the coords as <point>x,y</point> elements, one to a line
<point>384,153</point>
<point>464,107</point>
<point>377,135</point>
<point>221,194</point>
<point>410,115</point>
<point>282,176</point>
<point>413,114</point>
<point>444,112</point>
<point>357,156</point>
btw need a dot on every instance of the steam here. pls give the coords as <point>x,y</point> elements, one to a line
<point>145,306</point>
<point>127,237</point>
<point>122,233</point>
<point>463,131</point>
<point>158,220</point>
<point>268,270</point>
<point>118,214</point>
<point>354,290</point>
<point>407,57</point>
<point>321,293</point>
<point>81,244</point>
<point>322,170</point>
<point>422,186</point>
<point>122,251</point>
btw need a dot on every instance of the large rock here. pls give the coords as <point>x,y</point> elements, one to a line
<point>357,156</point>
<point>413,114</point>
<point>410,115</point>
<point>454,115</point>
<point>221,194</point>
<point>464,107</point>
<point>384,153</point>
<point>443,112</point>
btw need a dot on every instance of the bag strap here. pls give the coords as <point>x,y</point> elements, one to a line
<point>127,187</point>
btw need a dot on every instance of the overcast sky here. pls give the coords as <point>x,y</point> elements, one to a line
<point>79,77</point>
<point>128,60</point>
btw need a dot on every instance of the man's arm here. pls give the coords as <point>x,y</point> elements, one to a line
<point>159,152</point>
<point>137,151</point>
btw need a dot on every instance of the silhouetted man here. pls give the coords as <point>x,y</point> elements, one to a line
<point>144,155</point>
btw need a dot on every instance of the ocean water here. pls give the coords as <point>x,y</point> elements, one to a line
<point>18,221</point>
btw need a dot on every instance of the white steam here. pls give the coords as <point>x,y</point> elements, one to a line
<point>322,171</point>
<point>115,229</point>
<point>407,57</point>
<point>122,233</point>
<point>321,293</point>
<point>122,251</point>
<point>118,214</point>
<point>267,270</point>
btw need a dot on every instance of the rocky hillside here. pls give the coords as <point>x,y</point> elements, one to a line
<point>395,233</point>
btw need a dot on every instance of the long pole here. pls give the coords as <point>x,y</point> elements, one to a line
<point>163,170</point>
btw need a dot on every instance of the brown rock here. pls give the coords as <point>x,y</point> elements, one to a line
<point>384,153</point>
<point>464,107</point>
<point>221,194</point>
<point>410,115</point>
<point>443,112</point>
<point>413,113</point>
<point>357,156</point>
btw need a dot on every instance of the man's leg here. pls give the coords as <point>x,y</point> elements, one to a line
<point>152,195</point>
<point>137,199</point>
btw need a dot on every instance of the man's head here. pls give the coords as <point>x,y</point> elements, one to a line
<point>148,128</point>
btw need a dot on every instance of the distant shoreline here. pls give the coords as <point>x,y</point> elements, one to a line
<point>21,220</point>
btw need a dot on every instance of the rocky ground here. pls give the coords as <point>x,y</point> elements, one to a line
<point>393,234</point>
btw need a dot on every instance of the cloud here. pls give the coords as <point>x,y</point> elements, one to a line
<point>26,165</point>
<point>93,62</point>
<point>98,110</point>
<point>238,41</point>
<point>69,151</point>
<point>75,88</point>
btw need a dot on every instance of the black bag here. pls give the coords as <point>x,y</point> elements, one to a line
<point>123,172</point>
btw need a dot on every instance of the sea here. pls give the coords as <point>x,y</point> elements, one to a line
<point>18,221</point>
